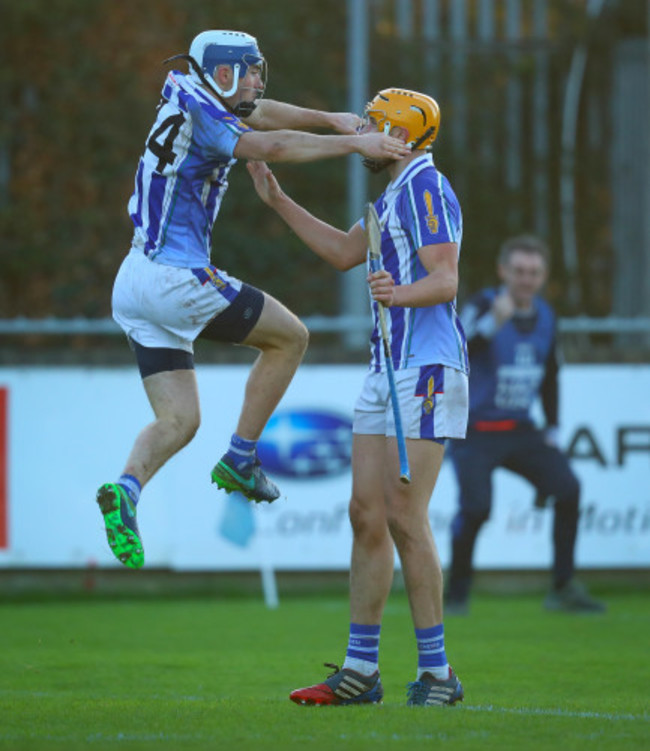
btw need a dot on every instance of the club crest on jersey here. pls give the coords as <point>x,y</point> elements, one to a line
<point>427,404</point>
<point>432,219</point>
<point>209,275</point>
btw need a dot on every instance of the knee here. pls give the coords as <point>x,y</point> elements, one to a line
<point>299,337</point>
<point>185,427</point>
<point>398,532</point>
<point>405,528</point>
<point>191,429</point>
<point>368,524</point>
<point>291,338</point>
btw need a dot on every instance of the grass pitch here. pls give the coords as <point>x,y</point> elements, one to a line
<point>216,673</point>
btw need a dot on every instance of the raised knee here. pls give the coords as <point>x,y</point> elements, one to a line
<point>191,430</point>
<point>300,338</point>
<point>294,341</point>
<point>185,427</point>
<point>292,338</point>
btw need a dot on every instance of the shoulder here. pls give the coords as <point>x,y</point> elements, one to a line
<point>424,172</point>
<point>434,188</point>
<point>204,106</point>
<point>419,185</point>
<point>446,189</point>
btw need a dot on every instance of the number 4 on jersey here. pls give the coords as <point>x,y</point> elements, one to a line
<point>163,150</point>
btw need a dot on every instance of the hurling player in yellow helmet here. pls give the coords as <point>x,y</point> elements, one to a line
<point>417,113</point>
<point>420,236</point>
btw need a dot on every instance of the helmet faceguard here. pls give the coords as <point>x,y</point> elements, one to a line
<point>234,48</point>
<point>417,113</point>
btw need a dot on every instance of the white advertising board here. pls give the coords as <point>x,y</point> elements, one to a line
<point>67,430</point>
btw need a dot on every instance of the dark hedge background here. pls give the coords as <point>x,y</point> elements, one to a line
<point>79,81</point>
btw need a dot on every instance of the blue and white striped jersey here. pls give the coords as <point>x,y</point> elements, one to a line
<point>183,174</point>
<point>419,208</point>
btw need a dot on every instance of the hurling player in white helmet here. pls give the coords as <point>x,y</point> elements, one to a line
<point>421,232</point>
<point>168,292</point>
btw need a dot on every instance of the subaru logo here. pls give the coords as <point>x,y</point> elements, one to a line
<point>306,443</point>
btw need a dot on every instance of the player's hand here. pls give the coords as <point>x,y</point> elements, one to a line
<point>345,122</point>
<point>503,307</point>
<point>380,146</point>
<point>382,287</point>
<point>267,187</point>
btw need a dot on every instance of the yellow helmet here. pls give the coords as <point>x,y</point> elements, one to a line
<point>416,112</point>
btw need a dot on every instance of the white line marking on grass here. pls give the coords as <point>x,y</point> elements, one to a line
<point>556,713</point>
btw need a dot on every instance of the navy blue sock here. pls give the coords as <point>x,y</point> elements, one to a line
<point>241,452</point>
<point>132,486</point>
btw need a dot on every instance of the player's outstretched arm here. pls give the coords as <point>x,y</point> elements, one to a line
<point>272,115</point>
<point>296,146</point>
<point>343,250</point>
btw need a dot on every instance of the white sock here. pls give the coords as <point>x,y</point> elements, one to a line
<point>360,666</point>
<point>441,672</point>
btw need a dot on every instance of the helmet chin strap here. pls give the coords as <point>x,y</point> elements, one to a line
<point>424,137</point>
<point>243,109</point>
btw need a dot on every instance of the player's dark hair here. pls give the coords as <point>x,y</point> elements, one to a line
<point>525,244</point>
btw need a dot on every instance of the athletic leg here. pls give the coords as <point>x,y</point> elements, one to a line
<point>282,340</point>
<point>174,398</point>
<point>408,521</point>
<point>255,319</point>
<point>371,575</point>
<point>372,564</point>
<point>407,509</point>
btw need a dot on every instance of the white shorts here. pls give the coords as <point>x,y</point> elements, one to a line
<point>433,400</point>
<point>165,306</point>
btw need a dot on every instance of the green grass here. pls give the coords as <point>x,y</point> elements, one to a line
<point>215,673</point>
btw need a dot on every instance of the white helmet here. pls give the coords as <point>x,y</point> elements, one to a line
<point>235,48</point>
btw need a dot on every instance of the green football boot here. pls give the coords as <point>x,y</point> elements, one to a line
<point>254,484</point>
<point>122,531</point>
